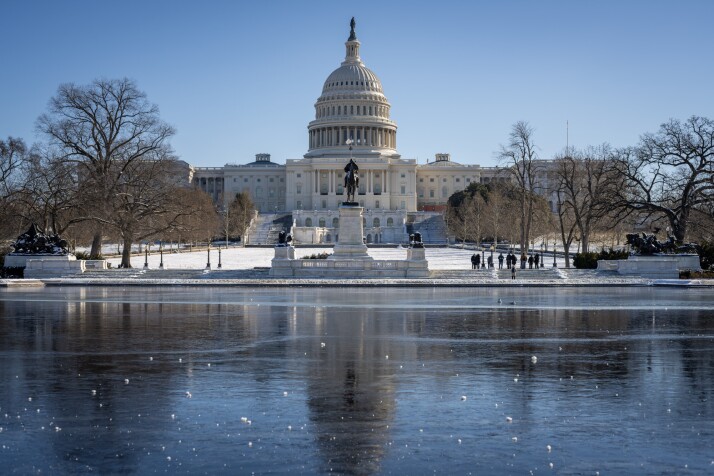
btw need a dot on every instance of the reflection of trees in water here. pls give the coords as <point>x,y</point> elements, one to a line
<point>351,389</point>
<point>84,345</point>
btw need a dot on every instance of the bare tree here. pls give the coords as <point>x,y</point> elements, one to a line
<point>49,194</point>
<point>144,204</point>
<point>238,215</point>
<point>200,222</point>
<point>669,174</point>
<point>521,157</point>
<point>13,156</point>
<point>568,226</point>
<point>103,128</point>
<point>496,213</point>
<point>586,181</point>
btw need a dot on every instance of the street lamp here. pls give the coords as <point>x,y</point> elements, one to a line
<point>146,256</point>
<point>554,263</point>
<point>541,255</point>
<point>161,252</point>
<point>493,247</point>
<point>208,264</point>
<point>219,257</point>
<point>483,257</point>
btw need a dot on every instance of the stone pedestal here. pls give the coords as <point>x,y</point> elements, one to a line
<point>50,266</point>
<point>281,265</point>
<point>655,266</point>
<point>350,244</point>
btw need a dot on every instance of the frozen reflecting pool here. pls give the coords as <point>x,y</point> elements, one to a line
<point>357,381</point>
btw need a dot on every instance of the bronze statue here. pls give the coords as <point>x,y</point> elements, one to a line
<point>647,245</point>
<point>351,180</point>
<point>284,238</point>
<point>353,36</point>
<point>35,241</point>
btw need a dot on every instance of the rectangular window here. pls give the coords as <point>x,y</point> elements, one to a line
<point>404,189</point>
<point>431,194</point>
<point>458,180</point>
<point>402,176</point>
<point>271,180</point>
<point>299,175</point>
<point>431,179</point>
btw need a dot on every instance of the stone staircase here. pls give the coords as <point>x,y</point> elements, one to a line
<point>431,225</point>
<point>267,227</point>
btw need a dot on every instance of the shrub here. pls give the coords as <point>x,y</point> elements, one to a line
<point>82,255</point>
<point>317,256</point>
<point>585,260</point>
<point>706,255</point>
<point>589,260</point>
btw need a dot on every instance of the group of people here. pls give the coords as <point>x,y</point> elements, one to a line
<point>534,260</point>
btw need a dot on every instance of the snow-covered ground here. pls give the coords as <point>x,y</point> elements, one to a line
<point>249,258</point>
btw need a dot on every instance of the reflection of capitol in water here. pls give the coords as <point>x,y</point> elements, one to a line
<point>351,391</point>
<point>257,353</point>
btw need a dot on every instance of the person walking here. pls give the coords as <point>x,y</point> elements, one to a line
<point>524,260</point>
<point>530,262</point>
<point>513,272</point>
<point>473,261</point>
<point>536,260</point>
<point>500,260</point>
<point>490,262</point>
<point>478,260</point>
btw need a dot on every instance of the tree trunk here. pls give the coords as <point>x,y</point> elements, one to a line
<point>126,254</point>
<point>96,251</point>
<point>566,252</point>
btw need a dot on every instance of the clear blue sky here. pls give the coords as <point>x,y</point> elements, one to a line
<point>240,78</point>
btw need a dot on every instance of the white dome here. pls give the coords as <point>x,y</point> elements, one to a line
<point>352,77</point>
<point>352,111</point>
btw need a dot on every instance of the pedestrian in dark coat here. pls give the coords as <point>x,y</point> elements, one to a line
<point>536,260</point>
<point>513,272</point>
<point>500,260</point>
<point>473,261</point>
<point>530,262</point>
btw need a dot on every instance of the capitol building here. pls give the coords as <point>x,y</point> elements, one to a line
<point>352,120</point>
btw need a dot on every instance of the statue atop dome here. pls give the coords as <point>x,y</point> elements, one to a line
<point>353,36</point>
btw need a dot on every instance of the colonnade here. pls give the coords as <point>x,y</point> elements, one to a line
<point>329,181</point>
<point>361,135</point>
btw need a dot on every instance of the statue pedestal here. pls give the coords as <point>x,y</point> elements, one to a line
<point>281,265</point>
<point>655,266</point>
<point>350,244</point>
<point>50,266</point>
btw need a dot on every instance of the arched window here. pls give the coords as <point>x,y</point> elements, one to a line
<point>321,223</point>
<point>335,222</point>
<point>308,222</point>
<point>390,221</point>
<point>375,223</point>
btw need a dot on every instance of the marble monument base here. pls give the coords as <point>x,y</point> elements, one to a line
<point>349,259</point>
<point>51,266</point>
<point>655,266</point>
<point>350,243</point>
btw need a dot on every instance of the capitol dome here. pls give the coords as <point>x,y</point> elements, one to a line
<point>352,108</point>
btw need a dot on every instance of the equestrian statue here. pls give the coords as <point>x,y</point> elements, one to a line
<point>351,180</point>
